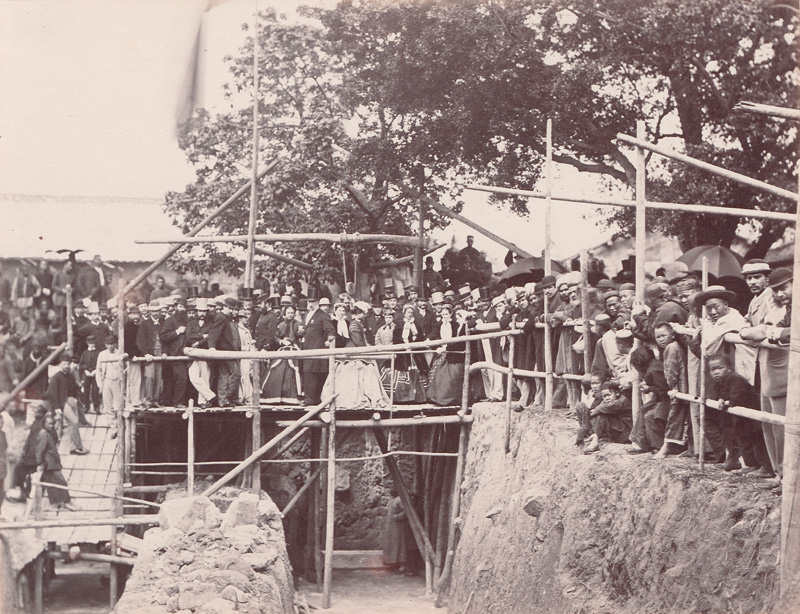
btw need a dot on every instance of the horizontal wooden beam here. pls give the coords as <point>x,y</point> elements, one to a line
<point>342,238</point>
<point>744,412</point>
<point>767,109</point>
<point>714,209</point>
<point>405,259</point>
<point>711,168</point>
<point>151,519</point>
<point>387,422</point>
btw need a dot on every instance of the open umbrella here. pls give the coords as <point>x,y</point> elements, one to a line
<point>721,260</point>
<point>530,269</point>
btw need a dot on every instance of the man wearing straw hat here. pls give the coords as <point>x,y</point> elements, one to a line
<point>317,329</point>
<point>224,336</point>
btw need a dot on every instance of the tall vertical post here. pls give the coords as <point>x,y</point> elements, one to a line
<point>790,519</point>
<point>548,333</point>
<point>255,373</point>
<point>120,449</point>
<point>701,445</point>
<point>251,226</point>
<point>587,332</point>
<point>190,448</point>
<point>509,390</point>
<point>641,252</point>
<point>465,383</point>
<point>70,330</point>
<point>38,583</point>
<point>331,494</point>
<point>419,253</point>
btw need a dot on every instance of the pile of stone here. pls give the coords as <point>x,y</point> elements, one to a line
<point>202,561</point>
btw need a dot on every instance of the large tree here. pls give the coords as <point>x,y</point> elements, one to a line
<point>428,93</point>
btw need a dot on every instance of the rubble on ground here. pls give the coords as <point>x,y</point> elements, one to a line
<point>206,561</point>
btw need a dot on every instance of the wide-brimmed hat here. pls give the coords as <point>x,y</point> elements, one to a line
<point>780,276</point>
<point>324,301</point>
<point>720,292</point>
<point>756,266</point>
<point>547,281</point>
<point>500,298</point>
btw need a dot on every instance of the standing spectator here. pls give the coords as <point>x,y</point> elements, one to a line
<point>774,364</point>
<point>91,279</point>
<point>5,288</point>
<point>267,327</point>
<point>317,328</point>
<point>224,336</point>
<point>9,377</point>
<point>38,386</point>
<point>172,334</point>
<point>110,381</point>
<point>197,329</point>
<point>673,357</point>
<point>149,343</point>
<point>87,366</point>
<point>648,434</point>
<point>25,288</point>
<point>135,369</point>
<point>3,461</point>
<point>204,290</point>
<point>261,283</point>
<point>45,278</point>
<point>246,342</point>
<point>394,539</point>
<point>470,255</point>
<point>161,290</point>
<point>48,461</point>
<point>431,279</point>
<point>62,394</point>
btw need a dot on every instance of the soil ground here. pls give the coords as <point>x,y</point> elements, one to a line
<point>78,588</point>
<point>366,591</point>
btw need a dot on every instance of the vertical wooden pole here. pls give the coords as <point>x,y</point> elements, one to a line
<point>38,584</point>
<point>419,252</point>
<point>641,253</point>
<point>790,519</point>
<point>391,391</point>
<point>548,333</point>
<point>38,492</point>
<point>255,372</point>
<point>70,331</point>
<point>702,433</point>
<point>190,447</point>
<point>251,226</point>
<point>465,383</point>
<point>587,332</point>
<point>509,390</point>
<point>120,450</point>
<point>319,508</point>
<point>455,509</point>
<point>331,493</point>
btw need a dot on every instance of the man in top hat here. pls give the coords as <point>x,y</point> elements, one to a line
<point>317,329</point>
<point>198,327</point>
<point>373,321</point>
<point>431,280</point>
<point>774,364</point>
<point>110,381</point>
<point>224,335</point>
<point>87,366</point>
<point>267,326</point>
<point>135,369</point>
<point>149,343</point>
<point>173,339</point>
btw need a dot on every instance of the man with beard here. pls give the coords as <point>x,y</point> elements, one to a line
<point>198,327</point>
<point>148,342</point>
<point>135,369</point>
<point>317,329</point>
<point>173,339</point>
<point>267,325</point>
<point>224,335</point>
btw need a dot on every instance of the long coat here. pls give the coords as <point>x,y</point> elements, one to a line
<point>317,330</point>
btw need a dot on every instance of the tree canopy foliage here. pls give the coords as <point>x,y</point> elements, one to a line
<point>372,94</point>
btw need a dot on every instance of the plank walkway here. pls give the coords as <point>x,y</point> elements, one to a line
<point>96,472</point>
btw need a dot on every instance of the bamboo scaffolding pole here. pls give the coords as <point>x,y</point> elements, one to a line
<point>311,413</point>
<point>423,543</point>
<point>261,251</point>
<point>289,443</point>
<point>712,168</point>
<point>509,391</point>
<point>144,519</point>
<point>339,352</point>
<point>96,494</point>
<point>790,520</point>
<point>359,459</point>
<point>251,222</point>
<point>641,255</point>
<point>319,559</point>
<point>387,423</point>
<point>190,447</point>
<point>255,374</point>
<point>101,558</point>
<point>455,510</point>
<point>735,410</point>
<point>662,206</point>
<point>437,206</point>
<point>523,372</point>
<point>31,376</point>
<point>587,331</point>
<point>701,456</point>
<point>548,183</point>
<point>70,327</point>
<point>767,109</point>
<point>324,237</point>
<point>330,498</point>
<point>420,249</point>
<point>465,383</point>
<point>38,583</point>
<point>205,222</point>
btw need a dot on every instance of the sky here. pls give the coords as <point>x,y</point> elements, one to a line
<point>91,90</point>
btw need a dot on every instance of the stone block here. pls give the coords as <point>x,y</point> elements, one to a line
<point>533,502</point>
<point>243,510</point>
<point>189,514</point>
<point>196,595</point>
<point>217,606</point>
<point>342,481</point>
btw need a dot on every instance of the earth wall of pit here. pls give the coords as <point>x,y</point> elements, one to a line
<point>616,533</point>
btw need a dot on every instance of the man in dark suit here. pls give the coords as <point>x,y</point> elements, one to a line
<point>224,335</point>
<point>267,325</point>
<point>173,339</point>
<point>317,330</point>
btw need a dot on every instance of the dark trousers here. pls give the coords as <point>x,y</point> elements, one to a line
<point>750,437</point>
<point>648,433</point>
<point>312,386</point>
<point>56,495</point>
<point>180,382</point>
<point>91,394</point>
<point>228,380</point>
<point>721,434</point>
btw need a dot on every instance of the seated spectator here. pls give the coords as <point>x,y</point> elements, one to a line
<point>582,410</point>
<point>612,419</point>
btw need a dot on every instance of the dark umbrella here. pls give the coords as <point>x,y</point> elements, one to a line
<point>530,269</point>
<point>721,260</point>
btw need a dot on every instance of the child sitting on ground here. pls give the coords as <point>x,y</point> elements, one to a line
<point>733,389</point>
<point>611,419</point>
<point>582,410</point>
<point>649,434</point>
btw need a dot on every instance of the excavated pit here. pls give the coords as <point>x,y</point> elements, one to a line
<point>606,532</point>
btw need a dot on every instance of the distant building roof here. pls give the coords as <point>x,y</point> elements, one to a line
<point>31,224</point>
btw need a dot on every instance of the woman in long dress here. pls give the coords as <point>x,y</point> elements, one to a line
<point>406,380</point>
<point>355,380</point>
<point>447,371</point>
<point>394,533</point>
<point>49,461</point>
<point>282,384</point>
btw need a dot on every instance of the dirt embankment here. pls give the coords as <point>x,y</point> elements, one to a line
<point>614,533</point>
